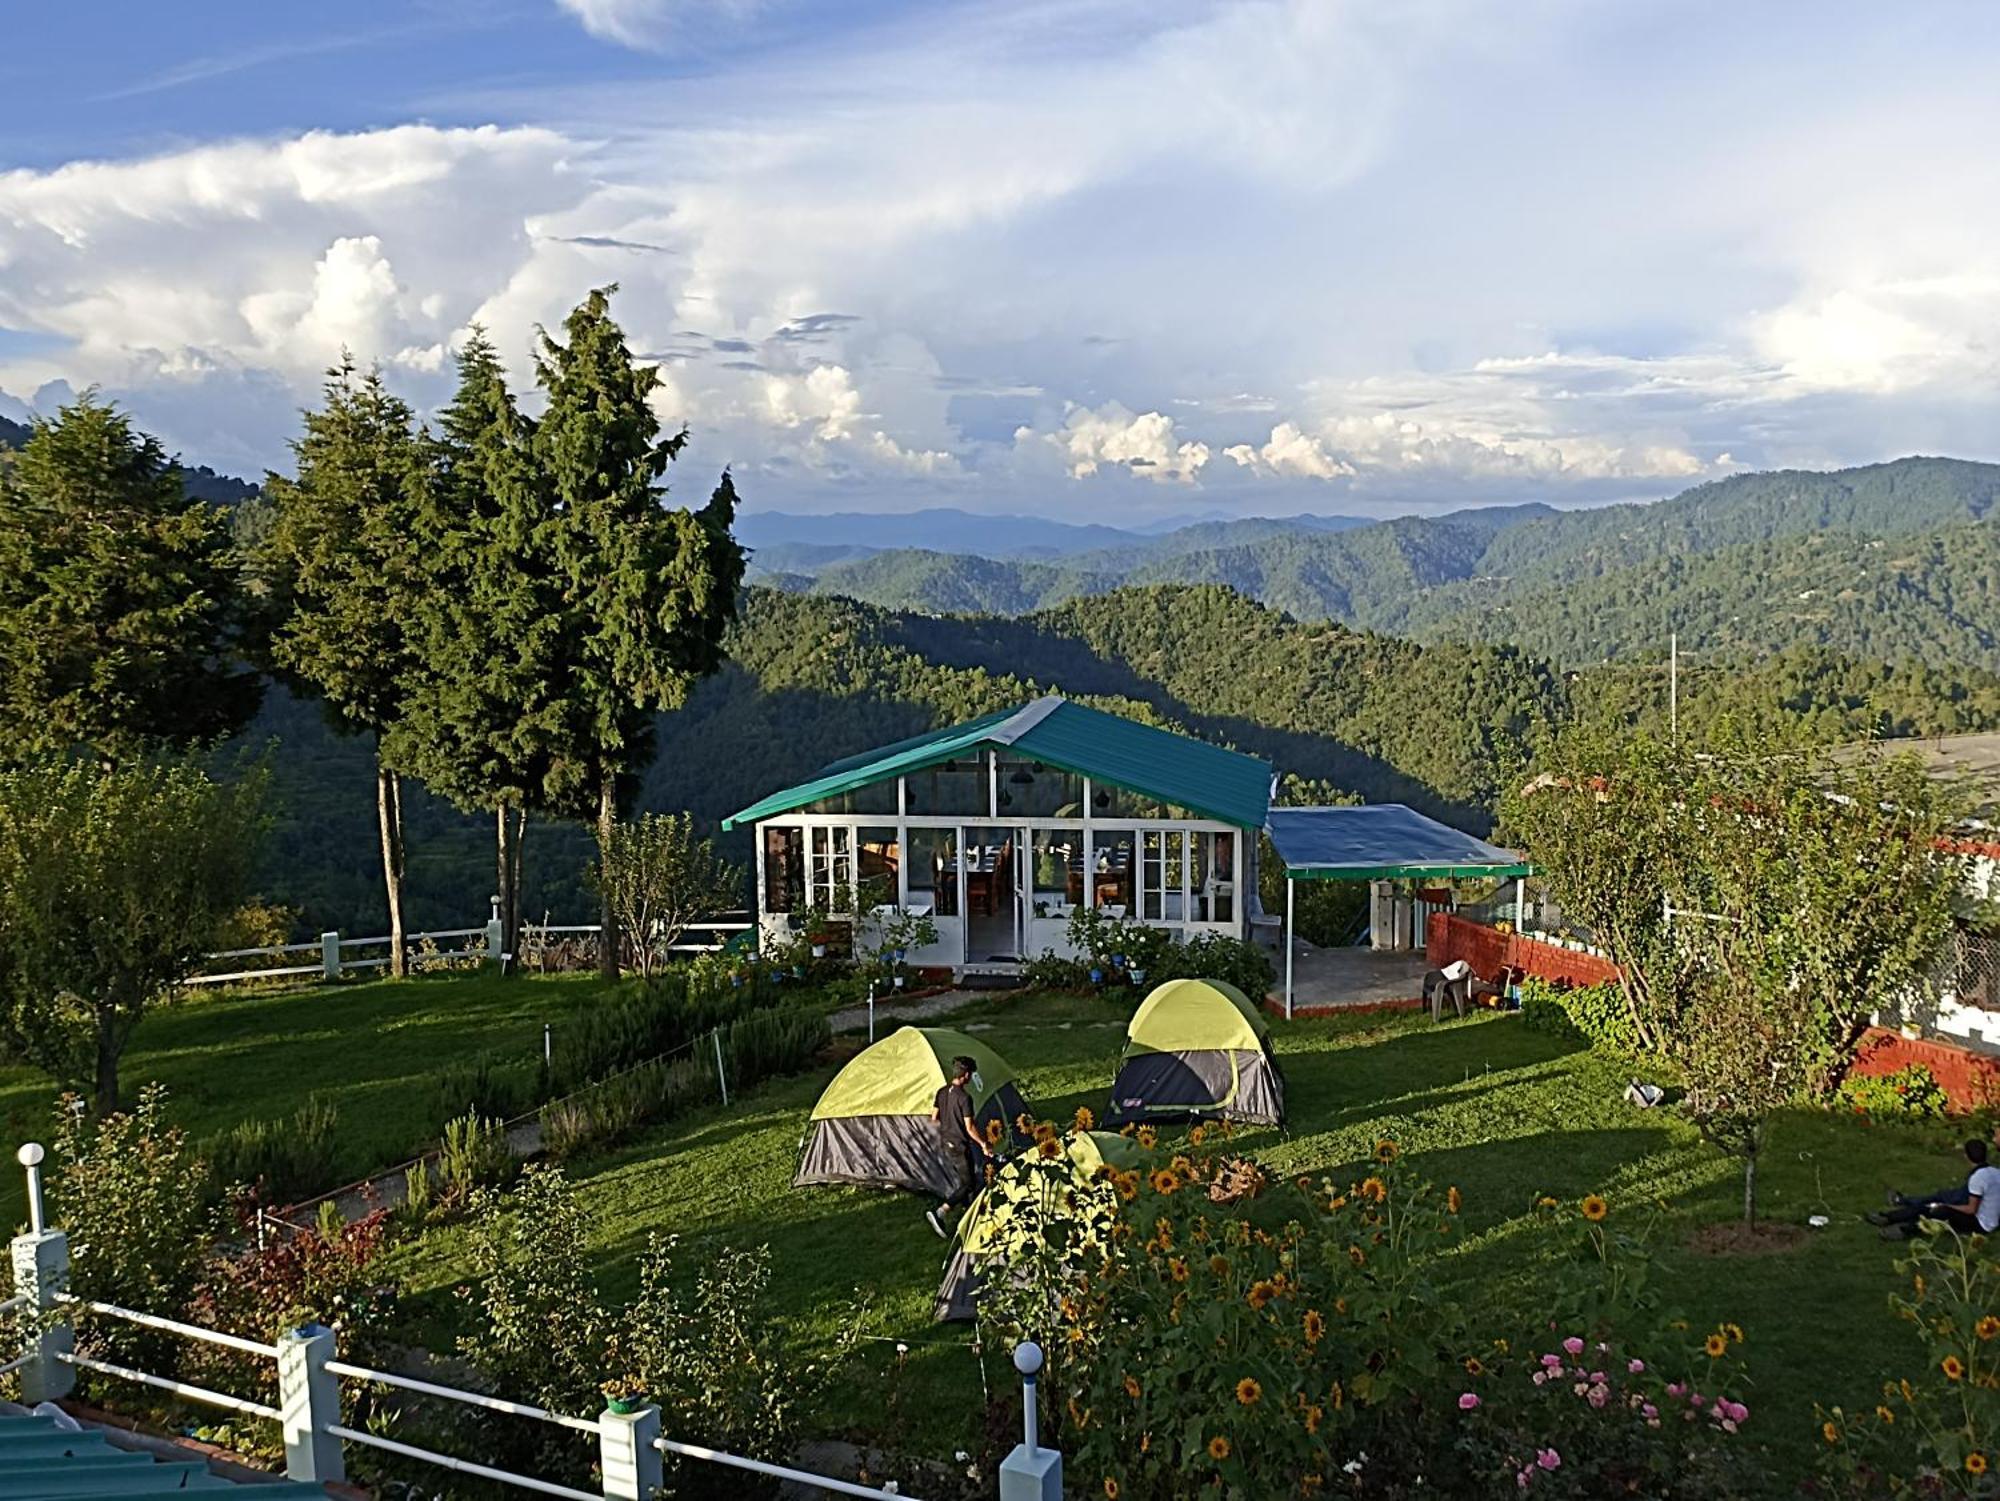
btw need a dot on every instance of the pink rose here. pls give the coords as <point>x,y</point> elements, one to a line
<point>1635,1365</point>
<point>1575,1347</point>
<point>1649,1411</point>
<point>1727,1426</point>
<point>1548,1459</point>
<point>1736,1411</point>
<point>1467,1401</point>
<point>1539,1377</point>
<point>1675,1388</point>
<point>1597,1378</point>
<point>1553,1362</point>
<point>1695,1399</point>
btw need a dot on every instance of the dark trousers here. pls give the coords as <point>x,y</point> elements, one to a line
<point>974,1169</point>
<point>1941,1205</point>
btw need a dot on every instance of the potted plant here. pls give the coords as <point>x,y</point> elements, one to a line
<point>623,1396</point>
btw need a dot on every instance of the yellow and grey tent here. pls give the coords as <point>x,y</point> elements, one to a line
<point>1023,1200</point>
<point>1196,1049</point>
<point>873,1122</point>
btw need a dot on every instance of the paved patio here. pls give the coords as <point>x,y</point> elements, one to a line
<point>1341,978</point>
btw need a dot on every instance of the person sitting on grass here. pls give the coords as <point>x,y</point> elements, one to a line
<point>1973,1209</point>
<point>965,1150</point>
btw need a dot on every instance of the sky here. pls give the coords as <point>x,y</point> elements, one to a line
<point>1104,260</point>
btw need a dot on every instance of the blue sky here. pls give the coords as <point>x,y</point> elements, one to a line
<point>1077,257</point>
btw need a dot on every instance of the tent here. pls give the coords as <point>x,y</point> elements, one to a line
<point>1198,1048</point>
<point>995,1221</point>
<point>873,1123</point>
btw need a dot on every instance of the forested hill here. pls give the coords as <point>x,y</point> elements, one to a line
<point>811,679</point>
<point>200,481</point>
<point>1726,563</point>
<point>13,434</point>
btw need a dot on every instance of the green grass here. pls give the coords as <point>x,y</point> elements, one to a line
<point>1506,1113</point>
<point>371,1048</point>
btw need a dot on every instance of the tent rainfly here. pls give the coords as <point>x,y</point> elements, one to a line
<point>994,1222</point>
<point>1198,1048</point>
<point>1376,842</point>
<point>873,1123</point>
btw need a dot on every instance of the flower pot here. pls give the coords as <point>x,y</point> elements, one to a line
<point>798,971</point>
<point>1138,977</point>
<point>819,951</point>
<point>899,982</point>
<point>624,1406</point>
<point>1096,975</point>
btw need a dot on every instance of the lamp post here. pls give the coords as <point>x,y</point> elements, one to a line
<point>1030,1472</point>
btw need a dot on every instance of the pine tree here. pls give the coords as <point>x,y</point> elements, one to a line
<point>647,590</point>
<point>484,709</point>
<point>345,564</point>
<point>120,603</point>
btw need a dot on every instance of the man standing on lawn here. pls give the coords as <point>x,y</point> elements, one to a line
<point>964,1148</point>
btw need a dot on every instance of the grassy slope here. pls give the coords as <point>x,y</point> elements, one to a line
<point>1503,1112</point>
<point>371,1048</point>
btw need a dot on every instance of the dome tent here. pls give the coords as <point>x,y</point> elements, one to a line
<point>1198,1048</point>
<point>873,1122</point>
<point>993,1222</point>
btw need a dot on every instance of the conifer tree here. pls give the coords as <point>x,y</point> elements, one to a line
<point>484,709</point>
<point>647,590</point>
<point>345,564</point>
<point>120,605</point>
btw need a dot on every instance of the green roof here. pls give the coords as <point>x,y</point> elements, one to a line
<point>40,1461</point>
<point>1206,779</point>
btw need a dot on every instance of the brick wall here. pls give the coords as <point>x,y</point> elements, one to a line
<point>1971,1080</point>
<point>1489,951</point>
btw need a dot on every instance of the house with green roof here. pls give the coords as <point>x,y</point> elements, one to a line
<point>998,829</point>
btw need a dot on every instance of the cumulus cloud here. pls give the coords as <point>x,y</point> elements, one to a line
<point>1145,443</point>
<point>1290,452</point>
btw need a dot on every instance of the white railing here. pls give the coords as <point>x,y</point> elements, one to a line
<point>334,959</point>
<point>630,1447</point>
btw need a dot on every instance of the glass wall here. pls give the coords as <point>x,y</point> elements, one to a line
<point>830,867</point>
<point>1058,871</point>
<point>933,871</point>
<point>784,868</point>
<point>1213,882</point>
<point>1113,868</point>
<point>962,787</point>
<point>877,857</point>
<point>1030,789</point>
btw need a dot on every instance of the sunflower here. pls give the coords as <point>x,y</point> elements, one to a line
<point>1084,1119</point>
<point>1735,1333</point>
<point>1313,1415</point>
<point>1049,1149</point>
<point>1163,1231</point>
<point>1219,1265</point>
<point>1975,1463</point>
<point>1165,1181</point>
<point>1987,1327</point>
<point>1474,1366</point>
<point>1828,1432</point>
<point>1315,1325</point>
<point>1024,1123</point>
<point>1044,1131</point>
<point>1146,1137</point>
<point>1218,1448</point>
<point>1110,1489</point>
<point>1177,1269</point>
<point>1337,1203</point>
<point>1356,1255</point>
<point>1545,1202</point>
<point>1339,1395</point>
<point>1594,1207</point>
<point>1132,1387</point>
<point>1717,1346</point>
<point>1128,1186</point>
<point>1385,1151</point>
<point>1452,1199</point>
<point>1882,1412</point>
<point>1182,1164</point>
<point>1374,1188</point>
<point>995,1129</point>
<point>1340,1306</point>
<point>1195,1138</point>
<point>1249,1392</point>
<point>1260,1295</point>
<point>1953,1368</point>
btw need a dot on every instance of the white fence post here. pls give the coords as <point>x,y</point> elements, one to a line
<point>1030,1473</point>
<point>329,952</point>
<point>629,1454</point>
<point>41,1275</point>
<point>309,1405</point>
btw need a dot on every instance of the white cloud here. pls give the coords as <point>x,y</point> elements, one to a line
<point>1290,452</point>
<point>824,396</point>
<point>645,24</point>
<point>1146,443</point>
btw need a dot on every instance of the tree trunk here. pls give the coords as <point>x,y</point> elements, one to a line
<point>503,876</point>
<point>389,814</point>
<point>107,1067</point>
<point>512,915</point>
<point>1750,1187</point>
<point>607,821</point>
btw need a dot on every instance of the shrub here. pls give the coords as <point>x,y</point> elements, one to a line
<point>1595,1013</point>
<point>650,1018</point>
<point>1216,956</point>
<point>279,1161</point>
<point>488,1084</point>
<point>473,1155</point>
<point>1101,942</point>
<point>1910,1093</point>
<point>1050,971</point>
<point>769,1043</point>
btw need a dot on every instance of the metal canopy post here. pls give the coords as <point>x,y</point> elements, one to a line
<point>1291,942</point>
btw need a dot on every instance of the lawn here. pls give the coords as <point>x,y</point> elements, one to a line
<point>371,1048</point>
<point>1506,1113</point>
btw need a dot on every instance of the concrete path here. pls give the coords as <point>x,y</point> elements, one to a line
<point>891,1013</point>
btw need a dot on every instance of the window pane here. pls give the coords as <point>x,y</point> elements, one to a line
<point>831,874</point>
<point>1058,870</point>
<point>877,858</point>
<point>934,870</point>
<point>1112,869</point>
<point>1029,789</point>
<point>956,787</point>
<point>784,869</point>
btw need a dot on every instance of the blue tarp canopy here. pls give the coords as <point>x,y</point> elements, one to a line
<point>1381,842</point>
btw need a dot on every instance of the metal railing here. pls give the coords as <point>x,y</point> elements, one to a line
<point>630,1448</point>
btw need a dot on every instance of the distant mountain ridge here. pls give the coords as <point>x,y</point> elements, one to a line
<point>199,480</point>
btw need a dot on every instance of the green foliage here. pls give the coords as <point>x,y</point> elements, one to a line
<point>1122,950</point>
<point>279,1161</point>
<point>1936,1429</point>
<point>472,1156</point>
<point>1595,1013</point>
<point>1910,1093</point>
<point>132,1192</point>
<point>494,1085</point>
<point>121,611</point>
<point>113,880</point>
<point>661,878</point>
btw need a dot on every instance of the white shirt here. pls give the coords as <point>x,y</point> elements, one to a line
<point>1984,1185</point>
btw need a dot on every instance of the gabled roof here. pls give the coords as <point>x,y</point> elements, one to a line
<point>1381,841</point>
<point>1188,773</point>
